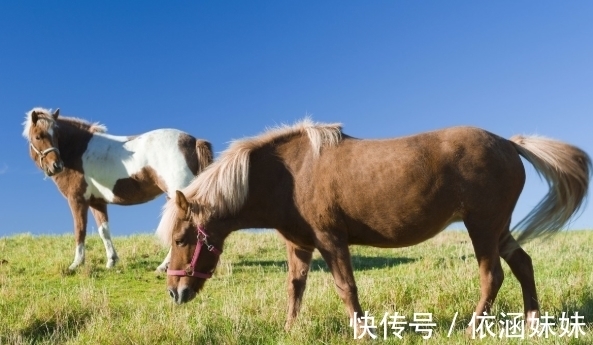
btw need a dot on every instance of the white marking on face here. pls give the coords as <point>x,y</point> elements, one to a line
<point>110,158</point>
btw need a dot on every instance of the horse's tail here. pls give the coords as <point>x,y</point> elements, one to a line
<point>204,154</point>
<point>567,170</point>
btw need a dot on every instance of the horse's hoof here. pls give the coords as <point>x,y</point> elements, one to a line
<point>162,268</point>
<point>75,264</point>
<point>112,262</point>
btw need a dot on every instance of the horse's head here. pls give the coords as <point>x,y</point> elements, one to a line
<point>41,132</point>
<point>194,253</point>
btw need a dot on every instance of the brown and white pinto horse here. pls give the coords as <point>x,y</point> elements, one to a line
<point>324,190</point>
<point>92,169</point>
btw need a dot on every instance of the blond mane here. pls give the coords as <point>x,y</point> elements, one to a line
<point>223,186</point>
<point>47,122</point>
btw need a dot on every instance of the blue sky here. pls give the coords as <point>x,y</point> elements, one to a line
<point>225,70</point>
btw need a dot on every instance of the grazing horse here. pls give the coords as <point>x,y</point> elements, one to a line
<point>322,189</point>
<point>93,169</point>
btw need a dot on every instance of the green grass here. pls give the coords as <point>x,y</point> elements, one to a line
<point>245,302</point>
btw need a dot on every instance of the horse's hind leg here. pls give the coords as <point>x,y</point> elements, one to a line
<point>520,263</point>
<point>79,208</point>
<point>485,241</point>
<point>100,213</point>
<point>299,261</point>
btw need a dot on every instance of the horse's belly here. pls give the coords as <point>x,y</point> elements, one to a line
<point>95,190</point>
<point>394,239</point>
<point>123,191</point>
<point>397,233</point>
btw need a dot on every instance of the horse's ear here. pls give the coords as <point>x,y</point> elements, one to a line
<point>181,202</point>
<point>56,114</point>
<point>34,117</point>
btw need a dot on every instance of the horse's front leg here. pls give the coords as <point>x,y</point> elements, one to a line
<point>100,213</point>
<point>336,254</point>
<point>79,208</point>
<point>162,268</point>
<point>299,261</point>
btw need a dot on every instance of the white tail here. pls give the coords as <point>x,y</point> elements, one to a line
<point>567,170</point>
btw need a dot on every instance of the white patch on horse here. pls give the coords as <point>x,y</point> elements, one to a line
<point>105,235</point>
<point>78,257</point>
<point>165,264</point>
<point>111,158</point>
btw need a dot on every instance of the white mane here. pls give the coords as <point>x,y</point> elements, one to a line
<point>223,186</point>
<point>94,127</point>
<point>48,121</point>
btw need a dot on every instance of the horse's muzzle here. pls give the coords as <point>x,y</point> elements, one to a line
<point>182,295</point>
<point>55,168</point>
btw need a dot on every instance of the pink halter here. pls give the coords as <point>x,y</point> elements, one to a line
<point>190,270</point>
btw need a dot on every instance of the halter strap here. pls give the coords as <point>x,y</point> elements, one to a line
<point>43,153</point>
<point>190,271</point>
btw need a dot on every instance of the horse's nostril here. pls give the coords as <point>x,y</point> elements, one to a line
<point>173,294</point>
<point>58,166</point>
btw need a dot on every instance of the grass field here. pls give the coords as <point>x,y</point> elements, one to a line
<point>245,302</point>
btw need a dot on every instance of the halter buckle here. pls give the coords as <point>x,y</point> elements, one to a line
<point>189,270</point>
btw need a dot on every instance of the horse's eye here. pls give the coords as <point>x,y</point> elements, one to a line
<point>37,137</point>
<point>179,243</point>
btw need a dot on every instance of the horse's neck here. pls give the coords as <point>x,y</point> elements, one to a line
<point>72,141</point>
<point>220,229</point>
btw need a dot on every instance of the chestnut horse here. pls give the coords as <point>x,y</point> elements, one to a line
<point>322,189</point>
<point>92,169</point>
